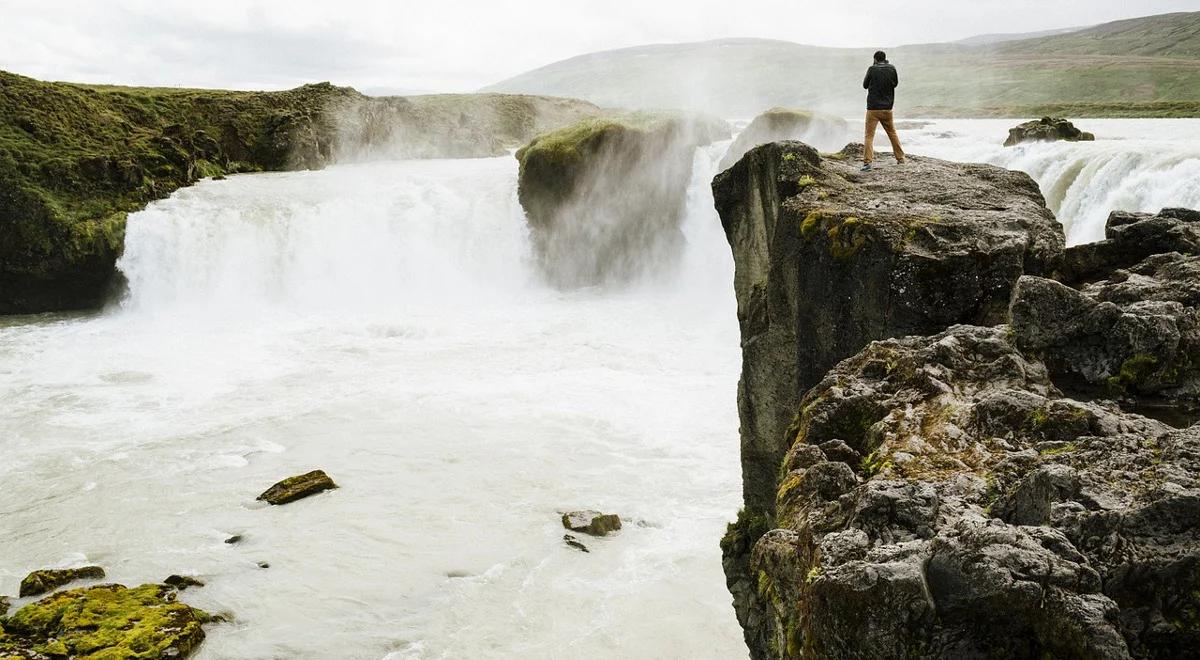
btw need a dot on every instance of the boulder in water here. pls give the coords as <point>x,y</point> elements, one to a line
<point>1046,129</point>
<point>574,543</point>
<point>605,198</point>
<point>182,582</point>
<point>298,487</point>
<point>40,582</point>
<point>778,124</point>
<point>591,522</point>
<point>105,621</point>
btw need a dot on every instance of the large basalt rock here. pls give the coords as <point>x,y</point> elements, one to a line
<point>988,518</point>
<point>297,488</point>
<point>779,124</point>
<point>1133,334</point>
<point>828,260</point>
<point>1046,129</point>
<point>108,622</point>
<point>605,198</point>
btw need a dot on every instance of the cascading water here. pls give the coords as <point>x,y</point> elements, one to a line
<point>1134,165</point>
<point>385,322</point>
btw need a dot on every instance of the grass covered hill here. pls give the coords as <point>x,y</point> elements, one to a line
<point>75,159</point>
<point>1139,67</point>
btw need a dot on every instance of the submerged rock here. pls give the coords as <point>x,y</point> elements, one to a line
<point>604,198</point>
<point>779,124</point>
<point>40,582</point>
<point>108,621</point>
<point>1018,524</point>
<point>573,542</point>
<point>1046,129</point>
<point>236,538</point>
<point>591,522</point>
<point>298,487</point>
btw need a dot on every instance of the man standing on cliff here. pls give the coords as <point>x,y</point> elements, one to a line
<point>881,82</point>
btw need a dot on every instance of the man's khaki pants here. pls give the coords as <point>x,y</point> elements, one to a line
<point>874,118</point>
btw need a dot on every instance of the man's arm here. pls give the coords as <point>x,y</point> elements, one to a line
<point>895,77</point>
<point>867,80</point>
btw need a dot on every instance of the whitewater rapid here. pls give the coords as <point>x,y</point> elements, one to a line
<point>385,322</point>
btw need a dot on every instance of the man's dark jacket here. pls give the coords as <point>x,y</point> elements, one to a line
<point>880,83</point>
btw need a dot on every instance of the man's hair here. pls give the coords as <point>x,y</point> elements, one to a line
<point>880,56</point>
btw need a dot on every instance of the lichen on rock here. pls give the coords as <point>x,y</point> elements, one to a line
<point>106,622</point>
<point>297,487</point>
<point>43,581</point>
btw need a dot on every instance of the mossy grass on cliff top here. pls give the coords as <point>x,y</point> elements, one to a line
<point>570,143</point>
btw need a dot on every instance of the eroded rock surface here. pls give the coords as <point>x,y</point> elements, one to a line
<point>990,517</point>
<point>828,260</point>
<point>105,622</point>
<point>1046,129</point>
<point>298,487</point>
<point>605,198</point>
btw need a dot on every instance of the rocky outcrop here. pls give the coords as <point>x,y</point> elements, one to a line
<point>75,159</point>
<point>298,487</point>
<point>44,581</point>
<point>937,494</point>
<point>989,517</point>
<point>779,124</point>
<point>1046,129</point>
<point>828,260</point>
<point>107,621</point>
<point>1131,328</point>
<point>593,523</point>
<point>605,198</point>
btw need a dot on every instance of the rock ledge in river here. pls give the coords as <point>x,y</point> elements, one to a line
<point>298,487</point>
<point>591,522</point>
<point>44,581</point>
<point>1046,129</point>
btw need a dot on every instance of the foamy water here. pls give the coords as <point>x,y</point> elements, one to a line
<point>384,322</point>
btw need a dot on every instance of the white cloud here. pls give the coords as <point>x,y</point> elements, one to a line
<point>458,45</point>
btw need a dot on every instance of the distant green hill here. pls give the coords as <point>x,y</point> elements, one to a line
<point>1139,67</point>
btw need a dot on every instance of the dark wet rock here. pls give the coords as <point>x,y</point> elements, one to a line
<point>779,124</point>
<point>605,198</point>
<point>1131,330</point>
<point>828,260</point>
<point>575,543</point>
<point>263,564</point>
<point>108,621</point>
<point>236,538</point>
<point>44,581</point>
<point>5,603</point>
<point>182,582</point>
<point>298,487</point>
<point>591,522</point>
<point>989,518</point>
<point>1046,129</point>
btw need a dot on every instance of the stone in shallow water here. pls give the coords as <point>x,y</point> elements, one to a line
<point>40,582</point>
<point>573,542</point>
<point>107,621</point>
<point>182,582</point>
<point>591,522</point>
<point>298,487</point>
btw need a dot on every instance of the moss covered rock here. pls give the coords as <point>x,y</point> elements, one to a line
<point>1046,129</point>
<point>106,622</point>
<point>605,197</point>
<point>298,487</point>
<point>592,522</point>
<point>778,124</point>
<point>40,582</point>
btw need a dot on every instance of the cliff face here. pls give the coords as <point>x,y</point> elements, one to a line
<point>605,198</point>
<point>938,495</point>
<point>75,159</point>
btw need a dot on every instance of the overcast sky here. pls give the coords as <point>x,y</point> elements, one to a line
<point>460,45</point>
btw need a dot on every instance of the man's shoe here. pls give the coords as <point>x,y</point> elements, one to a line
<point>866,167</point>
<point>902,162</point>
